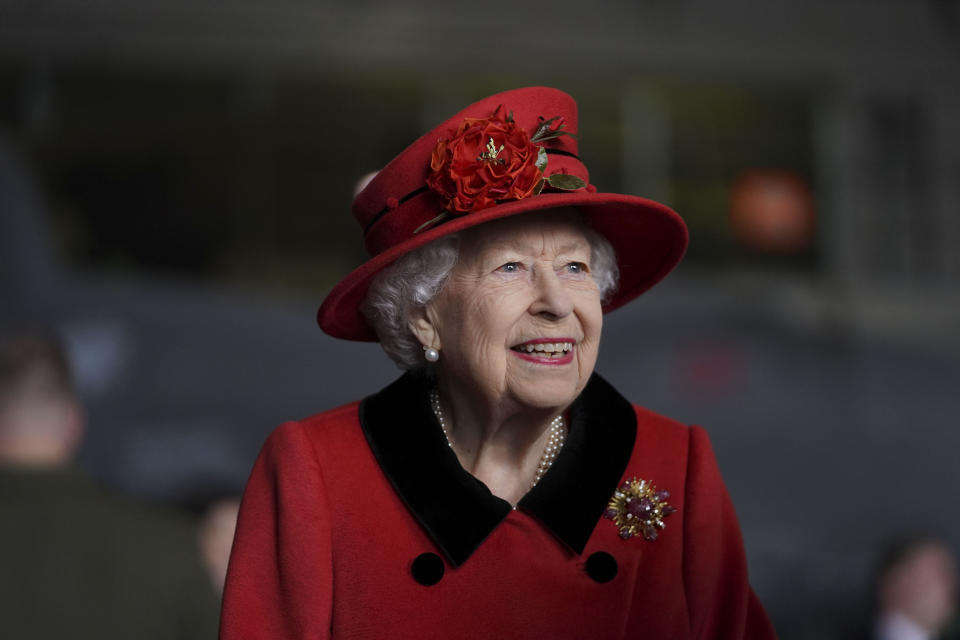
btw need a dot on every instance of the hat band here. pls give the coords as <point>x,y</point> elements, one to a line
<point>416,192</point>
<point>385,210</point>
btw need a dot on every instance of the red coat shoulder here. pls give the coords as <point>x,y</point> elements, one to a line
<point>325,436</point>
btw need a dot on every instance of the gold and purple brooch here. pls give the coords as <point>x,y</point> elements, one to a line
<point>637,508</point>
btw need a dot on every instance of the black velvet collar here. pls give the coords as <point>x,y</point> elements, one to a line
<point>456,509</point>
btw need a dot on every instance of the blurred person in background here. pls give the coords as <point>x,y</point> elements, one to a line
<point>916,591</point>
<point>76,561</point>
<point>217,528</point>
<point>499,488</point>
<point>214,506</point>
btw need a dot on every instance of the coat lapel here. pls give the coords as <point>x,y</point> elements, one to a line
<point>458,511</point>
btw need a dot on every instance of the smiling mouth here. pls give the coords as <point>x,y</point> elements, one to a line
<point>544,349</point>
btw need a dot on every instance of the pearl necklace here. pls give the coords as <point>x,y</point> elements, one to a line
<point>555,441</point>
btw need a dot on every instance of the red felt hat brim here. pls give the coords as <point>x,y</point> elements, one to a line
<point>649,239</point>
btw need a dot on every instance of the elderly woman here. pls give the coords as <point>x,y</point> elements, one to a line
<point>500,488</point>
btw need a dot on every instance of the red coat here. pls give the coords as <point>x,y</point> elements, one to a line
<point>360,523</point>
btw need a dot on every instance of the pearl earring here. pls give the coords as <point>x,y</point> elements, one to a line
<point>431,354</point>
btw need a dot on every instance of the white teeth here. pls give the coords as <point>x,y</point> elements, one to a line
<point>546,347</point>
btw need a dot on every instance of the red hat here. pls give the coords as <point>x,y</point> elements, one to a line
<point>512,153</point>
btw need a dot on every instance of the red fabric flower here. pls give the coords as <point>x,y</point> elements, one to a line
<point>487,160</point>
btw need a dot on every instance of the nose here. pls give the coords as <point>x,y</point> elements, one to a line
<point>551,298</point>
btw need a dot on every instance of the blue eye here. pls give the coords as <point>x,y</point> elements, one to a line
<point>510,267</point>
<point>576,267</point>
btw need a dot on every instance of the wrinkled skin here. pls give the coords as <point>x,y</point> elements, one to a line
<point>516,280</point>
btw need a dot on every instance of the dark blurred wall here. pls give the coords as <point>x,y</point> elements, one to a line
<point>175,183</point>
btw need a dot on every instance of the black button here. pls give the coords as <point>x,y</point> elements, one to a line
<point>602,567</point>
<point>428,569</point>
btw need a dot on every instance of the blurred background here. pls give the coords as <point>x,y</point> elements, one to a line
<point>175,187</point>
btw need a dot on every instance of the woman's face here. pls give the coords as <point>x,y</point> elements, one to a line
<point>520,317</point>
